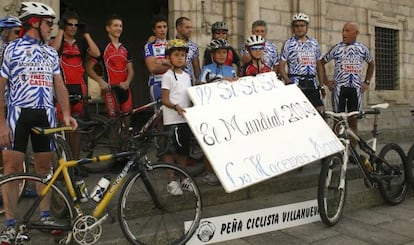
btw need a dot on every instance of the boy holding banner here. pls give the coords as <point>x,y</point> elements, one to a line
<point>174,84</point>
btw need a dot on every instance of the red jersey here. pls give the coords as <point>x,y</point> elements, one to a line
<point>251,69</point>
<point>71,63</point>
<point>116,61</point>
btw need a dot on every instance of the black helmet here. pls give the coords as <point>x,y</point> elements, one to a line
<point>219,25</point>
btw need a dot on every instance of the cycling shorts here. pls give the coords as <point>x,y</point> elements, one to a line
<point>180,138</point>
<point>77,107</point>
<point>347,99</point>
<point>28,119</point>
<point>118,100</point>
<point>314,96</point>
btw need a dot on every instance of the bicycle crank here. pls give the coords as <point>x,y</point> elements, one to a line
<point>87,230</point>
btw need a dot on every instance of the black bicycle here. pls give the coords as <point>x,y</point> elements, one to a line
<point>388,170</point>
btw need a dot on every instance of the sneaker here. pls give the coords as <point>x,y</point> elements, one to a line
<point>210,179</point>
<point>48,220</point>
<point>186,185</point>
<point>8,235</point>
<point>174,188</point>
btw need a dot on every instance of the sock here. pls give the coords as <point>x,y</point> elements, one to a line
<point>11,222</point>
<point>44,214</point>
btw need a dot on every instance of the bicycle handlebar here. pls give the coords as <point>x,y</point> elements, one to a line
<point>375,110</point>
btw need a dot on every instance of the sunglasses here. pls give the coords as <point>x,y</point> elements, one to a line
<point>255,48</point>
<point>72,24</point>
<point>49,23</point>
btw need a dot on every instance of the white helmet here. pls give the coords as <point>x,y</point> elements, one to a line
<point>300,16</point>
<point>255,40</point>
<point>35,9</point>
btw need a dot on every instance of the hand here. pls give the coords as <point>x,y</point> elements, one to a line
<point>124,85</point>
<point>62,23</point>
<point>364,87</point>
<point>83,28</point>
<point>5,135</point>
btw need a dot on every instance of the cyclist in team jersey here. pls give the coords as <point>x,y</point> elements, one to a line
<point>31,71</point>
<point>301,54</point>
<point>9,31</point>
<point>116,63</point>
<point>74,43</point>
<point>255,45</point>
<point>348,84</point>
<point>270,55</point>
<point>184,28</point>
<point>154,52</point>
<point>219,30</point>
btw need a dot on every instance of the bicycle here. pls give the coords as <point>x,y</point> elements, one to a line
<point>146,211</point>
<point>410,159</point>
<point>386,170</point>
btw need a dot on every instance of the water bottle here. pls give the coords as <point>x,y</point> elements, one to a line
<point>82,191</point>
<point>100,188</point>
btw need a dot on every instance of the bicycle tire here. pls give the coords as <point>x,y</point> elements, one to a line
<point>26,202</point>
<point>105,146</point>
<point>331,199</point>
<point>57,207</point>
<point>394,190</point>
<point>140,219</point>
<point>410,159</point>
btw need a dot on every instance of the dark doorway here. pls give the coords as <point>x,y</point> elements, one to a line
<point>137,29</point>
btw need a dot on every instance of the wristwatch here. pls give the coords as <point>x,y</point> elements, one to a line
<point>367,82</point>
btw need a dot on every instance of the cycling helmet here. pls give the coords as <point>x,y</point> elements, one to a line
<point>219,25</point>
<point>10,22</point>
<point>176,44</point>
<point>218,44</point>
<point>35,9</point>
<point>255,40</point>
<point>300,16</point>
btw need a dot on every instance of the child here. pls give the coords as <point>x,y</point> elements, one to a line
<point>255,45</point>
<point>215,71</point>
<point>174,84</point>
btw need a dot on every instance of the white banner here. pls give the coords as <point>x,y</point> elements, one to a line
<point>249,139</point>
<point>233,226</point>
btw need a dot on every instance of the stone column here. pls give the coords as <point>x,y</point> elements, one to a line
<point>251,14</point>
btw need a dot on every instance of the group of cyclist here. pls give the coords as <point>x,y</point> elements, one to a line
<point>35,69</point>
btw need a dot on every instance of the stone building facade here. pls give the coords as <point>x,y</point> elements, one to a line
<point>327,19</point>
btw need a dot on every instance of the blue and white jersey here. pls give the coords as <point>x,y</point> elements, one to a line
<point>270,57</point>
<point>193,53</point>
<point>29,68</point>
<point>349,63</point>
<point>155,49</point>
<point>301,58</point>
<point>212,71</point>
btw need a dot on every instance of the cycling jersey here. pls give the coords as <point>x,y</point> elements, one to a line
<point>155,49</point>
<point>212,71</point>
<point>71,61</point>
<point>192,54</point>
<point>29,67</point>
<point>349,63</point>
<point>270,57</point>
<point>301,58</point>
<point>251,69</point>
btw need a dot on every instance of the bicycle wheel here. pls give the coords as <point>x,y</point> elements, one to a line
<point>393,186</point>
<point>58,207</point>
<point>331,190</point>
<point>410,170</point>
<point>146,221</point>
<point>108,142</point>
<point>27,202</point>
